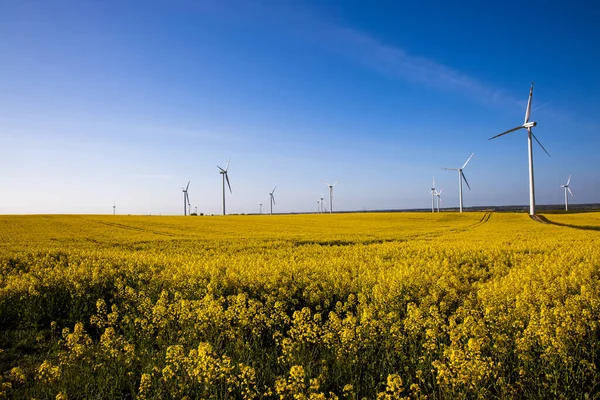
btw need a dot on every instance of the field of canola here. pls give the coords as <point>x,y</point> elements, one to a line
<point>405,305</point>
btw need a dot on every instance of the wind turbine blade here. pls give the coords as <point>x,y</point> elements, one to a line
<point>568,180</point>
<point>188,185</point>
<point>466,162</point>
<point>508,131</point>
<point>339,180</point>
<point>274,189</point>
<point>227,178</point>
<point>222,170</point>
<point>450,169</point>
<point>569,189</point>
<point>325,182</point>
<point>440,192</point>
<point>528,111</point>
<point>465,178</point>
<point>227,167</point>
<point>536,139</point>
<point>273,198</point>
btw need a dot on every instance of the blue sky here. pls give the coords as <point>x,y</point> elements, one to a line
<point>127,101</point>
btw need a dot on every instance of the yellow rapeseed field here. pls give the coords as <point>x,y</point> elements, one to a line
<point>376,306</point>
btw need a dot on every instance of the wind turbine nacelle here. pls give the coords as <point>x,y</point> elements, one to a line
<point>529,124</point>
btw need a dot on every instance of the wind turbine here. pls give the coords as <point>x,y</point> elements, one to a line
<point>461,177</point>
<point>260,208</point>
<point>566,186</point>
<point>528,125</point>
<point>114,208</point>
<point>439,198</point>
<point>331,194</point>
<point>322,201</point>
<point>225,177</point>
<point>433,195</point>
<point>186,199</point>
<point>272,198</point>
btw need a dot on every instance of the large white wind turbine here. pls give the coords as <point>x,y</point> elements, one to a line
<point>225,177</point>
<point>528,125</point>
<point>186,199</point>
<point>433,195</point>
<point>272,198</point>
<point>461,177</point>
<point>331,194</point>
<point>566,186</point>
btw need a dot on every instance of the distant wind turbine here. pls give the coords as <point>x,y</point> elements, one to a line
<point>461,177</point>
<point>272,198</point>
<point>322,202</point>
<point>566,186</point>
<point>114,208</point>
<point>331,194</point>
<point>260,208</point>
<point>528,125</point>
<point>225,177</point>
<point>439,198</point>
<point>433,195</point>
<point>186,199</point>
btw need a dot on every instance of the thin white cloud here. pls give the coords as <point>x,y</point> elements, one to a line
<point>396,61</point>
<point>144,175</point>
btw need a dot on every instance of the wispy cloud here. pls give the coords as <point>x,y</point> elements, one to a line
<point>396,61</point>
<point>144,175</point>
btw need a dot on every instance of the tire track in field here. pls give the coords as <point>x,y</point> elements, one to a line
<point>135,228</point>
<point>483,220</point>
<point>544,220</point>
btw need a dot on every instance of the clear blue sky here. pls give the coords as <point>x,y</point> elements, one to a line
<point>130,100</point>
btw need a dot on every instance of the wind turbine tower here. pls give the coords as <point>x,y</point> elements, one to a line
<point>272,198</point>
<point>225,175</point>
<point>186,199</point>
<point>114,208</point>
<point>260,212</point>
<point>461,177</point>
<point>528,125</point>
<point>433,195</point>
<point>566,186</point>
<point>439,198</point>
<point>331,194</point>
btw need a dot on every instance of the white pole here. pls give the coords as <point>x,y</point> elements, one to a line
<point>223,192</point>
<point>531,183</point>
<point>330,199</point>
<point>460,189</point>
<point>566,200</point>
